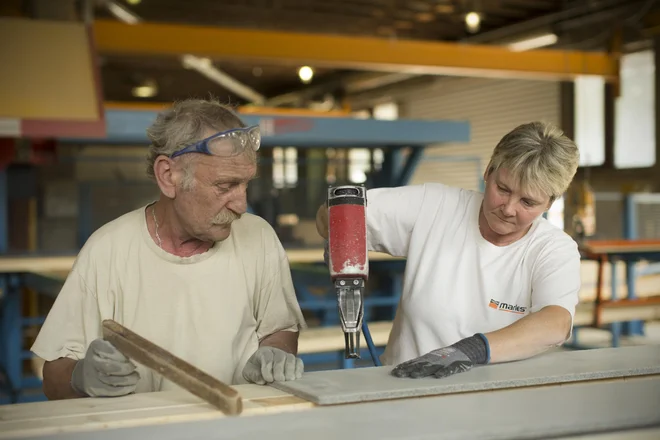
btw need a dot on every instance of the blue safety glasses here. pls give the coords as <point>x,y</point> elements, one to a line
<point>226,143</point>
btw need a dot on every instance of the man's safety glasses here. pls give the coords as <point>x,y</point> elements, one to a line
<point>226,143</point>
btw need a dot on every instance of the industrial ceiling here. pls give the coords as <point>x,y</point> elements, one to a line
<point>585,25</point>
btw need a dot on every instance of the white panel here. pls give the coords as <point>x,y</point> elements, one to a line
<point>492,106</point>
<point>589,102</point>
<point>634,129</point>
<point>10,127</point>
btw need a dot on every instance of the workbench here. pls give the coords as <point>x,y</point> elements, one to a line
<point>629,252</point>
<point>557,394</point>
<point>46,274</point>
<point>321,345</point>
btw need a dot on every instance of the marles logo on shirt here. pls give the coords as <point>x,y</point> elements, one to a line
<point>511,308</point>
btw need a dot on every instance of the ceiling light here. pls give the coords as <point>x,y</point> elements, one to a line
<point>472,21</point>
<point>305,73</point>
<point>133,2</point>
<point>122,13</point>
<point>148,89</point>
<point>533,43</point>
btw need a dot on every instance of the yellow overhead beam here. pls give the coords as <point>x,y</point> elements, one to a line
<point>243,110</point>
<point>343,52</point>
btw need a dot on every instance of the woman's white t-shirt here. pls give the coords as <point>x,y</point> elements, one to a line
<point>456,283</point>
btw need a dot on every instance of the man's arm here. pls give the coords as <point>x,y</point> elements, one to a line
<point>284,340</point>
<point>531,335</point>
<point>57,379</point>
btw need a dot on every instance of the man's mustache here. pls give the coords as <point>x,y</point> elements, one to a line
<point>225,217</point>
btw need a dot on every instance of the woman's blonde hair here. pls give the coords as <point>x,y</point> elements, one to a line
<point>539,157</point>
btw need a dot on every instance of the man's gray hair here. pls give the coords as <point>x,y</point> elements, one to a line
<point>539,156</point>
<point>185,123</point>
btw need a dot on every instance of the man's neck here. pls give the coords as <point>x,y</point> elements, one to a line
<point>168,233</point>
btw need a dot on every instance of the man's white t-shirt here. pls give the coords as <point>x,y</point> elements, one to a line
<point>210,309</point>
<point>457,283</point>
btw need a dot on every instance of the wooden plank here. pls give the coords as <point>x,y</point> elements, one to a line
<point>376,383</point>
<point>19,264</point>
<point>63,264</point>
<point>173,368</point>
<point>90,414</point>
<point>621,246</point>
<point>31,92</point>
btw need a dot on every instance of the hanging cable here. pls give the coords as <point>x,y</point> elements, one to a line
<point>370,344</point>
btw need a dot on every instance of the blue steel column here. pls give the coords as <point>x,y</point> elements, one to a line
<point>630,233</point>
<point>10,324</point>
<point>85,222</point>
<point>415,157</point>
<point>4,297</point>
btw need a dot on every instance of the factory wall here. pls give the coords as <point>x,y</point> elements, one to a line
<point>92,184</point>
<point>495,106</point>
<point>492,106</point>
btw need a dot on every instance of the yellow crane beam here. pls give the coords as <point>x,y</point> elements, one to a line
<point>345,52</point>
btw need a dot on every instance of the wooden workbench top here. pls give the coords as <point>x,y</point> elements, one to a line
<point>75,415</point>
<point>349,392</point>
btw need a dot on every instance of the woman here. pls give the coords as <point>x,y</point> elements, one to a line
<point>488,279</point>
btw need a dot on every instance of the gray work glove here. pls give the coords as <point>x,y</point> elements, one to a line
<point>104,372</point>
<point>446,361</point>
<point>269,364</point>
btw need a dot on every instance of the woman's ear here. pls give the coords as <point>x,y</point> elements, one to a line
<point>487,172</point>
<point>165,176</point>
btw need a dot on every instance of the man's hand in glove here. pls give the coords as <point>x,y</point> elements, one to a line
<point>269,364</point>
<point>104,372</point>
<point>446,361</point>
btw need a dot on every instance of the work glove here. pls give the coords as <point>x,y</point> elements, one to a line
<point>269,364</point>
<point>446,361</point>
<point>104,372</point>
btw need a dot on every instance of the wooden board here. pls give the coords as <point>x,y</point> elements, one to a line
<point>68,416</point>
<point>622,246</point>
<point>376,383</point>
<point>63,264</point>
<point>46,64</point>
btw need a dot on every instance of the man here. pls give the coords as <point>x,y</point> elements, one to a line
<point>191,272</point>
<point>487,279</point>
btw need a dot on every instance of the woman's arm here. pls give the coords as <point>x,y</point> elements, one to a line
<point>531,335</point>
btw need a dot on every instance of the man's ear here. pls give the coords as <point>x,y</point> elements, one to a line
<point>166,176</point>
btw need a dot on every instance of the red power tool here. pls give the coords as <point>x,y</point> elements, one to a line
<point>348,258</point>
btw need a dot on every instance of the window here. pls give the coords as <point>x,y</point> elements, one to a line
<point>387,111</point>
<point>359,163</point>
<point>556,213</point>
<point>634,122</point>
<point>285,167</point>
<point>589,103</point>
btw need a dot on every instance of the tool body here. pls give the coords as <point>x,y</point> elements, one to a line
<point>348,258</point>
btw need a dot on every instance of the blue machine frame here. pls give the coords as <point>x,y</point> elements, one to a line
<point>129,127</point>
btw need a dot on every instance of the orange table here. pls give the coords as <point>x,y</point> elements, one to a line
<point>624,250</point>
